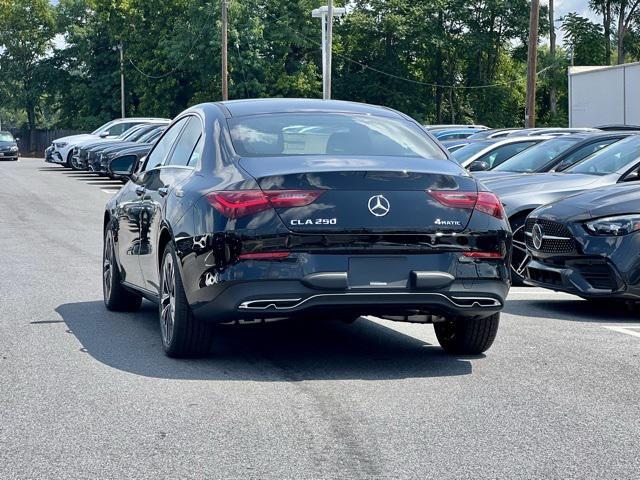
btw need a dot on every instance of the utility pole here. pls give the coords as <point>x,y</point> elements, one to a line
<point>122,104</point>
<point>225,69</point>
<point>530,114</point>
<point>327,40</point>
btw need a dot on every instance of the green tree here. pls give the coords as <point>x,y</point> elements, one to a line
<point>26,33</point>
<point>585,40</point>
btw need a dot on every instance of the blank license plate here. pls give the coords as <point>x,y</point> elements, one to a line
<point>378,272</point>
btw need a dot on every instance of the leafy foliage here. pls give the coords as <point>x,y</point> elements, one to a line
<point>439,61</point>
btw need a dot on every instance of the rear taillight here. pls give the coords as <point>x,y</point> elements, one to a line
<point>239,203</point>
<point>489,203</point>
<point>485,202</point>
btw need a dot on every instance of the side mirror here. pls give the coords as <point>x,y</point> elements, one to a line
<point>104,135</point>
<point>479,166</point>
<point>17,139</point>
<point>139,164</point>
<point>122,166</point>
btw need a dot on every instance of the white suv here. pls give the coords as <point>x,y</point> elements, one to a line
<point>61,149</point>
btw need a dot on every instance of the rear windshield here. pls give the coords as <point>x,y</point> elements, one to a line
<point>6,137</point>
<point>537,156</point>
<point>329,134</point>
<point>610,159</point>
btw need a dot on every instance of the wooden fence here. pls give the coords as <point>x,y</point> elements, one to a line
<point>41,139</point>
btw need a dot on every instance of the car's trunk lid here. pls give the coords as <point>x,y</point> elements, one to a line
<point>365,195</point>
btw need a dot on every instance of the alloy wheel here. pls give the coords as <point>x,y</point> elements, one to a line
<point>520,256</point>
<point>108,265</point>
<point>168,300</point>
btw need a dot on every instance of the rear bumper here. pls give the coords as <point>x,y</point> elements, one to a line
<point>290,298</point>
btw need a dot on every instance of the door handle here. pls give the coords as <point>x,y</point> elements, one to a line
<point>140,191</point>
<point>163,191</point>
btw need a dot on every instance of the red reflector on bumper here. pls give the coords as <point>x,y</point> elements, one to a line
<point>495,255</point>
<point>264,256</point>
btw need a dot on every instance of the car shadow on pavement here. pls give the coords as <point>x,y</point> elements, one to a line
<point>578,310</point>
<point>273,352</point>
<point>55,169</point>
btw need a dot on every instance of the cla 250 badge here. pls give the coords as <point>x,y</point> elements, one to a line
<point>317,221</point>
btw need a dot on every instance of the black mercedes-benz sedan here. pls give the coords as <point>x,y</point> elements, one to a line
<point>305,209</point>
<point>588,244</point>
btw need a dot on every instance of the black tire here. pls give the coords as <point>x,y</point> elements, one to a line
<point>467,336</point>
<point>520,256</point>
<point>116,297</point>
<point>183,335</point>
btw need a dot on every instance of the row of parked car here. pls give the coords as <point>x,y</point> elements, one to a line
<point>131,138</point>
<point>572,196</point>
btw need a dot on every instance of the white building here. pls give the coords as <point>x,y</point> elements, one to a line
<point>604,95</point>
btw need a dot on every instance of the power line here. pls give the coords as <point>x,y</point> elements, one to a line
<point>349,59</point>
<point>180,63</point>
<point>405,79</point>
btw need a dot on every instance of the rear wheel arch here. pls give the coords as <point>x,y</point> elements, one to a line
<point>106,221</point>
<point>163,240</point>
<point>521,215</point>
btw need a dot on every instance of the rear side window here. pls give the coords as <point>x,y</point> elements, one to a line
<point>585,151</point>
<point>453,136</point>
<point>330,134</point>
<point>163,147</point>
<point>120,128</point>
<point>505,152</point>
<point>186,143</point>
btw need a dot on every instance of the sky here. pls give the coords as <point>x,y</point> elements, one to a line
<point>581,7</point>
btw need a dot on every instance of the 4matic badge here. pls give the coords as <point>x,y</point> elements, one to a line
<point>448,223</point>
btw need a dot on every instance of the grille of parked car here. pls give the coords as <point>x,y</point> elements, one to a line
<point>557,237</point>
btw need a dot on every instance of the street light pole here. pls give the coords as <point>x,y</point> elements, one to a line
<point>327,40</point>
<point>329,46</point>
<point>122,105</point>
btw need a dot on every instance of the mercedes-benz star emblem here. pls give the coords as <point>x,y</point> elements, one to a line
<point>379,205</point>
<point>537,236</point>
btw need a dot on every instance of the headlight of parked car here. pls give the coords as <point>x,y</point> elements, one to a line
<point>61,144</point>
<point>614,226</point>
<point>13,149</point>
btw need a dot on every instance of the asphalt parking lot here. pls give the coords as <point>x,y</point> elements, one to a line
<point>87,393</point>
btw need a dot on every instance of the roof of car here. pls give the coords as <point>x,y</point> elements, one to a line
<point>241,108</point>
<point>142,119</point>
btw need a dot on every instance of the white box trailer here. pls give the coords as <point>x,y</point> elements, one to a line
<point>604,95</point>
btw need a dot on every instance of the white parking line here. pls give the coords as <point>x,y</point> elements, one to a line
<point>633,330</point>
<point>529,292</point>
